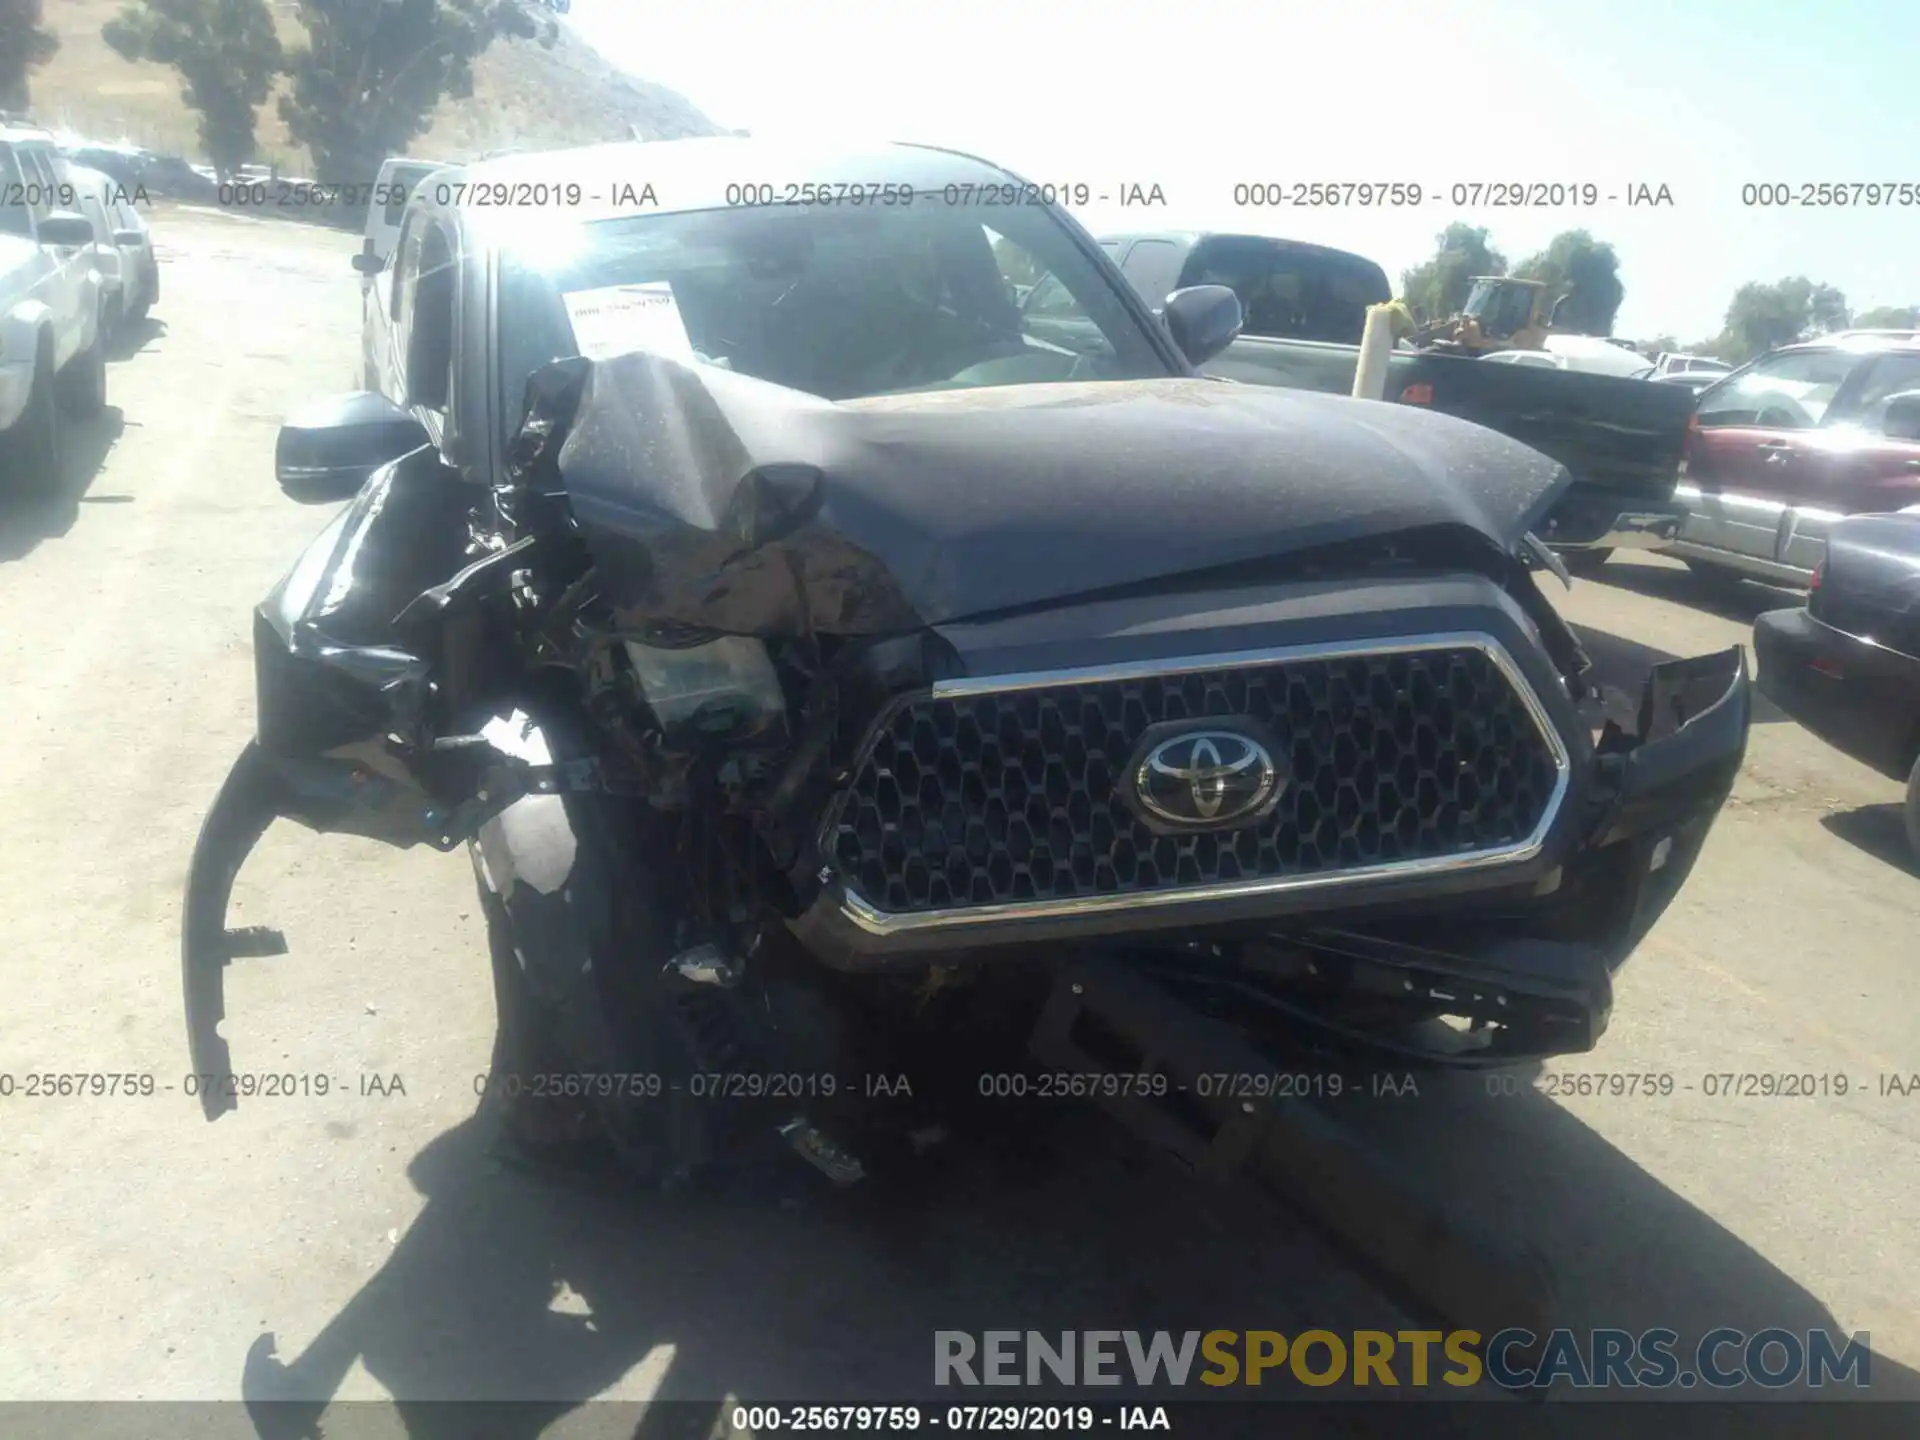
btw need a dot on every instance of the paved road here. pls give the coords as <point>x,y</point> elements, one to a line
<point>363,1244</point>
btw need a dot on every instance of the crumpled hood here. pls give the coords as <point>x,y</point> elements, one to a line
<point>717,500</point>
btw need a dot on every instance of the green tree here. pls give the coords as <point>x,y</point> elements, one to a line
<point>227,53</point>
<point>1889,317</point>
<point>1586,272</point>
<point>1659,345</point>
<point>1437,288</point>
<point>372,72</point>
<point>25,45</point>
<point>1762,317</point>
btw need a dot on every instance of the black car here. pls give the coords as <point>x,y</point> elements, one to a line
<point>1847,663</point>
<point>126,168</point>
<point>808,652</point>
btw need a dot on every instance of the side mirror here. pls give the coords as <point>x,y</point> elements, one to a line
<point>369,262</point>
<point>1902,420</point>
<point>66,227</point>
<point>129,237</point>
<point>332,446</point>
<point>1203,320</point>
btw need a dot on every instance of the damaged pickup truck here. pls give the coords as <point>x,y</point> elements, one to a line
<point>815,661</point>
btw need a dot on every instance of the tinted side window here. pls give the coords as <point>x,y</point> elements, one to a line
<point>1890,375</point>
<point>14,216</point>
<point>406,270</point>
<point>430,325</point>
<point>1291,293</point>
<point>401,182</point>
<point>1782,392</point>
<point>40,181</point>
<point>96,214</point>
<point>1153,266</point>
<point>1052,299</point>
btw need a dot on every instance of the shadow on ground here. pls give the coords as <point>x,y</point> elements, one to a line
<point>24,523</point>
<point>1728,596</point>
<point>511,1289</point>
<point>1879,830</point>
<point>135,336</point>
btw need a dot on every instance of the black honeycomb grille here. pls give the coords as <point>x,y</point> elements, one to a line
<point>1015,797</point>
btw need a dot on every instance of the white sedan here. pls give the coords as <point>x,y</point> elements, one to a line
<point>123,248</point>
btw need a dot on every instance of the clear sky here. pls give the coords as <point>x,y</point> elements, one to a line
<point>1702,96</point>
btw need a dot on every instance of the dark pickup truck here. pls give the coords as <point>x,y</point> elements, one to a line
<point>1305,308</point>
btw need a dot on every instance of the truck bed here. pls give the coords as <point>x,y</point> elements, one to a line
<point>1619,436</point>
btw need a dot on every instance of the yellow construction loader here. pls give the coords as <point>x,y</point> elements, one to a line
<point>1502,313</point>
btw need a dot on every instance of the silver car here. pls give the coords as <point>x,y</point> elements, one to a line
<point>123,248</point>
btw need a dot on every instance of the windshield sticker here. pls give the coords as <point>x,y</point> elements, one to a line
<point>623,318</point>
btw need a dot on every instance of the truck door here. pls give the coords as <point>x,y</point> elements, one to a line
<point>1747,456</point>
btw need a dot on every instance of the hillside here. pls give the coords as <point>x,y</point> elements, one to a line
<point>524,96</point>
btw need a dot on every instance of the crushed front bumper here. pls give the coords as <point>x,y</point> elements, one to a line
<point>1531,943</point>
<point>1536,935</point>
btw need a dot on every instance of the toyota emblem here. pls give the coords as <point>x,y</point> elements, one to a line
<point>1207,779</point>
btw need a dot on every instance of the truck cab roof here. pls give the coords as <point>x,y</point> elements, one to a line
<point>697,174</point>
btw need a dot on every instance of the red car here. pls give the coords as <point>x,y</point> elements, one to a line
<point>1791,442</point>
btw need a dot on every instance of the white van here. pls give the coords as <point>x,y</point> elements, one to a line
<point>395,183</point>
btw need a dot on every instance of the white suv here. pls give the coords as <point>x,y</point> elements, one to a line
<point>53,361</point>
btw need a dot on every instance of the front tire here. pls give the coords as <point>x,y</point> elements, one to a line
<point>83,384</point>
<point>30,453</point>
<point>577,977</point>
<point>1912,814</point>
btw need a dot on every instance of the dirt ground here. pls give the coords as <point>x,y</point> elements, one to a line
<point>360,1245</point>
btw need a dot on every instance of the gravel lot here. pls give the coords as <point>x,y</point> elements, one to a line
<point>364,1245</point>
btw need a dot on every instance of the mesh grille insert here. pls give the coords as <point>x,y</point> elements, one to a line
<point>1013,797</point>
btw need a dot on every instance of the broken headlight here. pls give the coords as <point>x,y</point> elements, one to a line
<point>724,689</point>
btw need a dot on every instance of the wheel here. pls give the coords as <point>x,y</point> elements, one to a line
<point>1913,810</point>
<point>83,384</point>
<point>30,451</point>
<point>577,979</point>
<point>1585,563</point>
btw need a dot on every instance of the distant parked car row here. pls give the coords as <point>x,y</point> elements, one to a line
<point>163,175</point>
<point>77,264</point>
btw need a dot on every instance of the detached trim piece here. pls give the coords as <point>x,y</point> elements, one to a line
<point>855,908</point>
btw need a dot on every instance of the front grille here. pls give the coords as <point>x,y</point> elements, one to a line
<point>1015,796</point>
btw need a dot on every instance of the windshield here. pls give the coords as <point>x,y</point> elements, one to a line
<point>1288,292</point>
<point>1500,307</point>
<point>1790,391</point>
<point>835,301</point>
